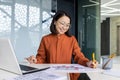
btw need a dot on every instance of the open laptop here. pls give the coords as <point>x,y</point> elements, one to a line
<point>8,60</point>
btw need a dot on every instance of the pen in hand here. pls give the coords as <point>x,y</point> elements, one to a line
<point>93,57</point>
<point>94,62</point>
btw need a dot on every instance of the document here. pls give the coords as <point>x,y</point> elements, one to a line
<point>42,75</point>
<point>73,68</point>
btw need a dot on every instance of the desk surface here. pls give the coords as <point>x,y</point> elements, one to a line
<point>6,74</point>
<point>92,75</point>
<point>101,76</point>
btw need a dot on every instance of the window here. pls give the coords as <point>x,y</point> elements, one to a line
<point>25,22</point>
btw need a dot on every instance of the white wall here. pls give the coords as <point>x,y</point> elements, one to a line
<point>114,21</point>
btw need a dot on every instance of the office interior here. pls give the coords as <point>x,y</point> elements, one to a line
<point>26,21</point>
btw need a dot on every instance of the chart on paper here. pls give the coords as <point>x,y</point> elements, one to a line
<point>73,68</point>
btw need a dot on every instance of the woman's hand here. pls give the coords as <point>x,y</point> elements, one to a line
<point>92,64</point>
<point>32,59</point>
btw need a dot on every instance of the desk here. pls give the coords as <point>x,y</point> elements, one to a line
<point>101,76</point>
<point>92,75</point>
<point>6,74</point>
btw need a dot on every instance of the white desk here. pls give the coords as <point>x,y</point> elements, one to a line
<point>101,76</point>
<point>6,74</point>
<point>92,75</point>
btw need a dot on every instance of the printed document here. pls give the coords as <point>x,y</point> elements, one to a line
<point>73,68</point>
<point>41,75</point>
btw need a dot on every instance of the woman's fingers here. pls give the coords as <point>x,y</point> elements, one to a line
<point>92,64</point>
<point>31,59</point>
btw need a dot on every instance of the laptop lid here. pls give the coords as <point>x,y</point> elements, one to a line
<point>8,59</point>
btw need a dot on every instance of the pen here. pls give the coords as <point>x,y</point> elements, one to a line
<point>93,57</point>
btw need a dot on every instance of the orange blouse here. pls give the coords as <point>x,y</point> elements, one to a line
<point>59,49</point>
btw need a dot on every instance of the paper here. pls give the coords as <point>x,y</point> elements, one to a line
<point>42,75</point>
<point>115,73</point>
<point>73,68</point>
<point>51,73</point>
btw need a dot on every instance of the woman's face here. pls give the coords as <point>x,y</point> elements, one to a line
<point>62,24</point>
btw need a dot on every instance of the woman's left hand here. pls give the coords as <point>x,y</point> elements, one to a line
<point>92,64</point>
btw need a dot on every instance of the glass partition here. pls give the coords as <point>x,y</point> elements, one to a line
<point>89,27</point>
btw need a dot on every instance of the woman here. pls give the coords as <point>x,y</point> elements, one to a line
<point>59,46</point>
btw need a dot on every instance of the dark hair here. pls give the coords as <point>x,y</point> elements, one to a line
<point>58,15</point>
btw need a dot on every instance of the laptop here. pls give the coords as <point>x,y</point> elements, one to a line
<point>8,60</point>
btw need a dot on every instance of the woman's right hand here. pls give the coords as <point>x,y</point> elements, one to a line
<point>32,59</point>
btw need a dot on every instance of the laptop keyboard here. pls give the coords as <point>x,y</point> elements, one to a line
<point>26,68</point>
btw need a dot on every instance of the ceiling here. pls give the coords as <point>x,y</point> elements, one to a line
<point>110,8</point>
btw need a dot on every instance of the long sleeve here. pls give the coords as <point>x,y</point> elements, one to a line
<point>78,55</point>
<point>41,54</point>
<point>52,49</point>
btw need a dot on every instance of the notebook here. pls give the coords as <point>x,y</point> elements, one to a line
<point>8,59</point>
